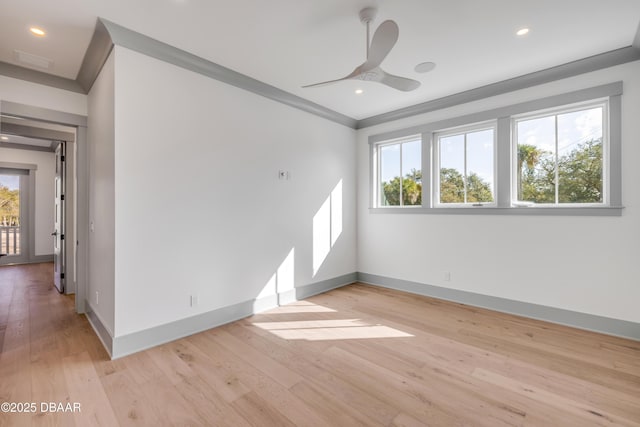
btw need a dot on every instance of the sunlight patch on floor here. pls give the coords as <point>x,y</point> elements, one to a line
<point>306,308</point>
<point>335,329</point>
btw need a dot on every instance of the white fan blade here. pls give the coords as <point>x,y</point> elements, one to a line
<point>401,83</point>
<point>383,41</point>
<point>353,74</point>
<point>327,82</point>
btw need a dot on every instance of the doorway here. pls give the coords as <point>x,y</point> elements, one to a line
<point>15,212</point>
<point>13,227</point>
<point>60,134</point>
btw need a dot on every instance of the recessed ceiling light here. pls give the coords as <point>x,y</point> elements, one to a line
<point>4,138</point>
<point>425,67</point>
<point>522,31</point>
<point>359,91</point>
<point>37,31</point>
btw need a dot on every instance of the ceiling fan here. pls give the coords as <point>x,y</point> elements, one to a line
<point>383,41</point>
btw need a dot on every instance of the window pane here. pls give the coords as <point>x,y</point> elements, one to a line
<point>536,166</point>
<point>451,150</point>
<point>390,175</point>
<point>411,173</point>
<point>480,184</point>
<point>580,156</point>
<point>10,214</point>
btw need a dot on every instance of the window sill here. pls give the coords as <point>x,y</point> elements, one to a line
<point>486,210</point>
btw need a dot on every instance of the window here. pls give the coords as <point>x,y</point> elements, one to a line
<point>466,166</point>
<point>399,177</point>
<point>16,183</point>
<point>559,156</point>
<point>10,214</point>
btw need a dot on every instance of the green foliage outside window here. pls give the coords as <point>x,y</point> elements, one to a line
<point>452,188</point>
<point>411,190</point>
<point>579,174</point>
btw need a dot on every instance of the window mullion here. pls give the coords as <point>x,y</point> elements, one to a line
<point>401,202</point>
<point>464,182</point>
<point>504,178</point>
<point>427,166</point>
<point>557,175</point>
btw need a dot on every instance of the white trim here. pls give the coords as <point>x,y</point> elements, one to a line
<point>602,103</point>
<point>456,131</point>
<point>377,167</point>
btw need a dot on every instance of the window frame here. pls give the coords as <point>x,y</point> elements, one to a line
<point>378,167</point>
<point>27,185</point>
<point>462,130</point>
<point>550,112</point>
<point>503,166</point>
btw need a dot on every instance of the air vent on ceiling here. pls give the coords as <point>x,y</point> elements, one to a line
<point>32,60</point>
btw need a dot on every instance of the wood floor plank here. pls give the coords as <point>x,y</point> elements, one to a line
<point>133,406</point>
<point>359,355</point>
<point>208,404</point>
<point>306,363</point>
<point>195,350</point>
<point>172,409</point>
<point>49,385</point>
<point>275,369</point>
<point>262,383</point>
<point>86,389</point>
<point>259,413</point>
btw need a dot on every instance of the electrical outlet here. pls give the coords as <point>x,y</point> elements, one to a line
<point>447,276</point>
<point>194,300</point>
<point>97,297</point>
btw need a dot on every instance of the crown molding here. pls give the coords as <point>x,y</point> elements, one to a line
<point>570,69</point>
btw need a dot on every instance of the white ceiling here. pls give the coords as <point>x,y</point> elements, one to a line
<point>290,43</point>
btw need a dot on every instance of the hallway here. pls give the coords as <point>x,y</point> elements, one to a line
<point>40,334</point>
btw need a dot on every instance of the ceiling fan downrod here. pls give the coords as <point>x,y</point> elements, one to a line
<point>367,15</point>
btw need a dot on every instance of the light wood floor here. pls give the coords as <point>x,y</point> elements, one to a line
<point>359,355</point>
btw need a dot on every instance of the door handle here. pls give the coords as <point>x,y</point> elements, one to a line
<point>55,233</point>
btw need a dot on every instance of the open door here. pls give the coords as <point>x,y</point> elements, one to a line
<point>58,233</point>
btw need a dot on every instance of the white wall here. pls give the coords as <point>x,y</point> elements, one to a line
<point>585,264</point>
<point>199,207</point>
<point>36,95</point>
<point>100,289</point>
<point>44,208</point>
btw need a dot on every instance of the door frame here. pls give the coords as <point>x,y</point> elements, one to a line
<point>27,216</point>
<point>59,250</point>
<point>76,197</point>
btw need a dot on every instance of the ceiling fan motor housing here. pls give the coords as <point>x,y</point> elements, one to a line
<point>368,14</point>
